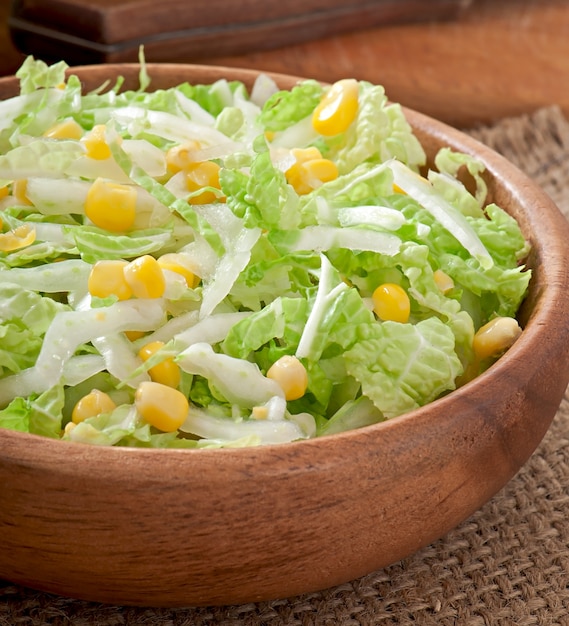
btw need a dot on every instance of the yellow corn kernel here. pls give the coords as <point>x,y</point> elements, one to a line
<point>179,157</point>
<point>133,335</point>
<point>19,191</point>
<point>107,279</point>
<point>94,403</point>
<point>4,191</point>
<point>291,376</point>
<point>259,412</point>
<point>337,109</point>
<point>145,277</point>
<point>200,175</point>
<point>173,262</point>
<point>295,178</point>
<point>294,174</point>
<point>302,155</point>
<point>495,337</point>
<point>309,170</point>
<point>111,206</point>
<point>320,171</point>
<point>166,372</point>
<point>18,238</point>
<point>68,428</point>
<point>161,406</point>
<point>67,129</point>
<point>391,303</point>
<point>443,281</point>
<point>95,143</point>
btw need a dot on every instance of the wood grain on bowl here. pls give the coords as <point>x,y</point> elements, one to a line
<point>205,527</point>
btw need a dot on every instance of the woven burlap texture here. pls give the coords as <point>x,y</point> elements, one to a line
<point>507,565</point>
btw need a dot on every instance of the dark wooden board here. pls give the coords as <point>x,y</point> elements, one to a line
<point>98,31</point>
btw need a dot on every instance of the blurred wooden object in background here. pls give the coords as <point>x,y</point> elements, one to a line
<point>10,57</point>
<point>112,31</point>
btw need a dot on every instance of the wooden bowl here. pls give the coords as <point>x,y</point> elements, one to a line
<point>206,527</point>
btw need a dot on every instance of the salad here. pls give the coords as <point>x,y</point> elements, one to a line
<point>206,267</point>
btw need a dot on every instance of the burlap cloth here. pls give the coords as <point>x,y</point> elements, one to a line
<point>507,565</point>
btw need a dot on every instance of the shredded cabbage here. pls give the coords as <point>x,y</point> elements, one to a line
<point>254,267</point>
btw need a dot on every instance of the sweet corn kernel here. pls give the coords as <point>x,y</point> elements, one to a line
<point>19,191</point>
<point>111,206</point>
<point>443,281</point>
<point>337,109</point>
<point>291,376</point>
<point>200,175</point>
<point>179,157</point>
<point>18,238</point>
<point>94,403</point>
<point>145,277</point>
<point>391,303</point>
<point>133,335</point>
<point>4,191</point>
<point>259,412</point>
<point>320,171</point>
<point>309,170</point>
<point>295,177</point>
<point>67,129</point>
<point>166,372</point>
<point>173,262</point>
<point>95,143</point>
<point>302,155</point>
<point>68,428</point>
<point>107,279</point>
<point>495,337</point>
<point>161,406</point>
<point>296,173</point>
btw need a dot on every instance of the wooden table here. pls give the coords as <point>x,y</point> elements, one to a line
<point>498,59</point>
